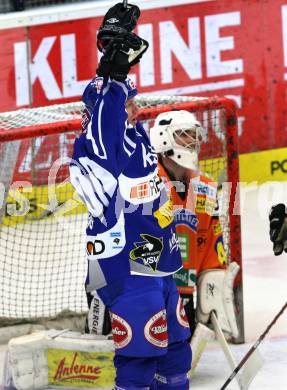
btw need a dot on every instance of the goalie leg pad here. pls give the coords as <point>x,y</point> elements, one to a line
<point>201,336</point>
<point>48,359</point>
<point>215,293</point>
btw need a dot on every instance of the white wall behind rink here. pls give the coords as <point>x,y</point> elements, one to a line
<point>78,11</point>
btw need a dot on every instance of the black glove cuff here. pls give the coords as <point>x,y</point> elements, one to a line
<point>277,216</point>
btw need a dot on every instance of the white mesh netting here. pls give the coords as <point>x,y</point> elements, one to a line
<point>42,231</point>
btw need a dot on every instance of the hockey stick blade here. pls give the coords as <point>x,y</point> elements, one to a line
<point>252,366</point>
<point>253,348</point>
<point>200,338</point>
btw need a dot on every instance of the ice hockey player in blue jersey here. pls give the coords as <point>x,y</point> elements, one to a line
<point>131,244</point>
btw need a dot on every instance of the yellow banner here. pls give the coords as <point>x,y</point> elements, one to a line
<point>268,165</point>
<point>27,204</point>
<point>80,369</point>
<point>34,203</point>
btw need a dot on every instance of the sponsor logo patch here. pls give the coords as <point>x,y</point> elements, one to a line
<point>147,189</point>
<point>184,244</point>
<point>155,330</point>
<point>173,243</point>
<point>219,249</point>
<point>205,205</point>
<point>186,218</point>
<point>164,214</point>
<point>180,314</point>
<point>185,277</point>
<point>96,247</point>
<point>201,239</point>
<point>74,371</point>
<point>121,331</point>
<point>204,189</point>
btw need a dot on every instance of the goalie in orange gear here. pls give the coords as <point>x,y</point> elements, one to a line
<point>177,137</point>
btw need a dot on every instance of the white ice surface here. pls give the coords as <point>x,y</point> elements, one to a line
<point>265,292</point>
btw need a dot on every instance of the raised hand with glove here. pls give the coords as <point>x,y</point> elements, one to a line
<point>121,47</point>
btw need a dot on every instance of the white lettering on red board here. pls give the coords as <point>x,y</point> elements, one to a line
<point>38,68</point>
<point>189,56</point>
<point>284,32</point>
<point>188,53</point>
<point>216,44</point>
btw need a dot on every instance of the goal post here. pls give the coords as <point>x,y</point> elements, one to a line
<point>42,221</point>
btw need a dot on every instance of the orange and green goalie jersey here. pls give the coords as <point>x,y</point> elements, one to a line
<point>198,227</point>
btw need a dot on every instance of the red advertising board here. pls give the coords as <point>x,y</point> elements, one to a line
<point>236,48</point>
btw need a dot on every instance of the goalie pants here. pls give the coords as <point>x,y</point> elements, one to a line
<point>150,333</point>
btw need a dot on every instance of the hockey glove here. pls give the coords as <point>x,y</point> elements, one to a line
<point>123,51</point>
<point>278,228</point>
<point>117,21</point>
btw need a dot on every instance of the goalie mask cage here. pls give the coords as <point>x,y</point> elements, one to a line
<point>42,222</point>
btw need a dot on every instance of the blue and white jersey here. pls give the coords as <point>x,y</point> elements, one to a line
<point>114,170</point>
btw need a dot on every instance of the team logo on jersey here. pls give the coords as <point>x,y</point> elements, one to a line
<point>180,314</point>
<point>86,117</point>
<point>131,84</point>
<point>186,218</point>
<point>121,331</point>
<point>155,329</point>
<point>97,83</point>
<point>149,250</point>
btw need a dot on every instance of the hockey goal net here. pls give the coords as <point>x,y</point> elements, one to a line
<point>42,222</point>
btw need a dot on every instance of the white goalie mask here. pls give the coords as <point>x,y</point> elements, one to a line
<point>178,135</point>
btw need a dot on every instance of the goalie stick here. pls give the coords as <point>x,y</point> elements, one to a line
<point>253,348</point>
<point>251,368</point>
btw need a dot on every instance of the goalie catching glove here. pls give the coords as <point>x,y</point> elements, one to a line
<point>122,52</point>
<point>215,293</point>
<point>278,228</point>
